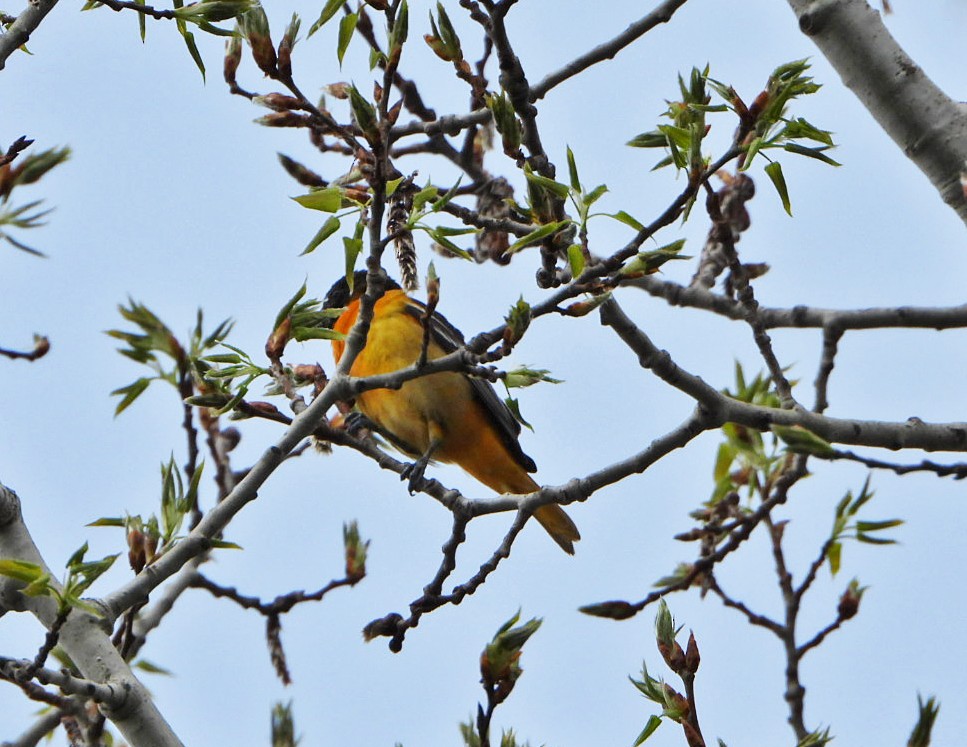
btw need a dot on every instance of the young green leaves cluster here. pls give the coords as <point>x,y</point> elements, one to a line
<point>344,201</point>
<point>684,137</point>
<point>847,526</point>
<point>80,575</point>
<point>156,346</point>
<point>13,174</point>
<point>148,539</point>
<point>744,459</point>
<point>499,669</point>
<point>684,663</point>
<point>764,125</point>
<point>203,15</point>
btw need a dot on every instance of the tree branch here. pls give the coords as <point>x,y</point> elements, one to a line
<point>20,30</point>
<point>911,434</point>
<point>929,127</point>
<point>804,317</point>
<point>609,50</point>
<point>83,637</point>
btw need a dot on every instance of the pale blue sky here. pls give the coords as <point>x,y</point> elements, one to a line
<point>175,198</point>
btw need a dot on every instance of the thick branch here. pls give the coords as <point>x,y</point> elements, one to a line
<point>84,638</point>
<point>20,30</point>
<point>929,126</point>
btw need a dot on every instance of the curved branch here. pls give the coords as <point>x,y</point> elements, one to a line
<point>911,434</point>
<point>609,50</point>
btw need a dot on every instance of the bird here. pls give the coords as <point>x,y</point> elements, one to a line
<point>446,417</point>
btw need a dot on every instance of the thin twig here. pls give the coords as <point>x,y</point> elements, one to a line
<point>609,50</point>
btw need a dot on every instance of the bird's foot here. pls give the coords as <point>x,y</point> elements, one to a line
<point>414,472</point>
<point>355,423</point>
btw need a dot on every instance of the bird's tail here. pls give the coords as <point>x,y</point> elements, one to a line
<point>559,525</point>
<point>501,473</point>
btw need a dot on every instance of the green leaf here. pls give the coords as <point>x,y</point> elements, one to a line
<point>142,21</point>
<point>441,239</point>
<point>147,666</point>
<point>774,171</point>
<point>454,230</point>
<point>816,153</point>
<point>286,310</point>
<point>800,440</point>
<point>224,358</point>
<point>107,522</point>
<point>572,169</point>
<point>21,570</point>
<point>193,51</point>
<point>876,526</point>
<point>351,249</point>
<point>653,139</point>
<point>537,235</point>
<point>575,259</point>
<point>555,188</point>
<point>647,263</point>
<point>594,195</point>
<point>39,587</point>
<point>364,114</point>
<point>331,225</point>
<point>926,716</point>
<point>750,153</point>
<point>220,544</point>
<point>523,377</point>
<point>441,203</point>
<point>301,334</point>
<point>78,555</point>
<point>424,196</point>
<point>867,539</point>
<point>834,555</point>
<point>622,217</point>
<point>328,11</point>
<point>328,200</point>
<point>347,26</point>
<point>514,406</point>
<point>130,393</point>
<point>653,723</point>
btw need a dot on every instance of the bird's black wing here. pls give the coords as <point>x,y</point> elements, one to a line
<point>449,339</point>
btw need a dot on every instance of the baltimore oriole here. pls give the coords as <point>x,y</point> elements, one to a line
<point>449,417</point>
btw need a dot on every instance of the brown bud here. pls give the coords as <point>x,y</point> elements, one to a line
<point>280,102</point>
<point>136,551</point>
<point>283,119</point>
<point>233,56</point>
<point>849,604</point>
<point>758,105</point>
<point>150,548</point>
<point>275,345</point>
<point>394,112</point>
<point>337,90</point>
<point>263,408</point>
<point>285,58</point>
<point>673,655</point>
<point>41,347</point>
<point>692,657</point>
<point>678,701</point>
